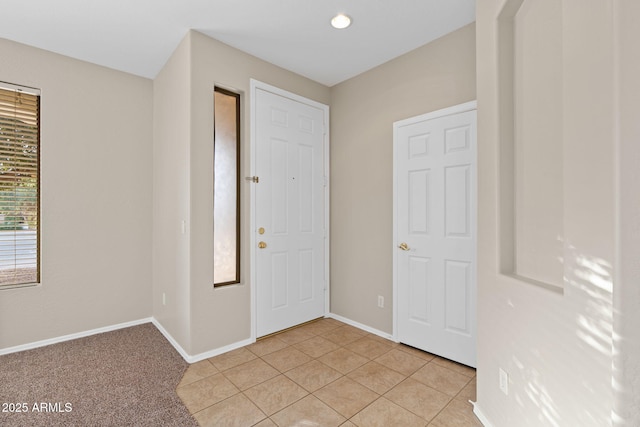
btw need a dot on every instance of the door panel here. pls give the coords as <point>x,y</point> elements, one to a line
<point>280,280</point>
<point>306,188</point>
<point>457,201</point>
<point>457,289</point>
<point>418,202</point>
<point>435,209</point>
<point>279,189</point>
<point>419,293</point>
<point>290,268</point>
<point>305,259</point>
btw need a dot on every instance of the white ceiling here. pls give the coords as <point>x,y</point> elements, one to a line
<point>138,36</point>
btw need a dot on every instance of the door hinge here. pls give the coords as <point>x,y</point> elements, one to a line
<point>326,181</point>
<point>253,179</point>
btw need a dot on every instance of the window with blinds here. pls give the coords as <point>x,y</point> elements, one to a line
<point>19,185</point>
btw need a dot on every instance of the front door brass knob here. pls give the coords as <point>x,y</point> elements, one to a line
<point>262,245</point>
<point>403,246</point>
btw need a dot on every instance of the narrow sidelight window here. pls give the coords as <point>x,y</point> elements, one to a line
<point>226,189</point>
<point>19,185</point>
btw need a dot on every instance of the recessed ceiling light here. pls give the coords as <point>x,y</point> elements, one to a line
<point>340,21</point>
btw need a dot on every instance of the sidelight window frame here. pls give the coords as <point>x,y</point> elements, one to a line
<point>219,122</point>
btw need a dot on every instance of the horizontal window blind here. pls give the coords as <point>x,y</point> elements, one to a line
<point>19,185</point>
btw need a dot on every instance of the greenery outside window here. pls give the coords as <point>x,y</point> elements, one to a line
<point>19,185</point>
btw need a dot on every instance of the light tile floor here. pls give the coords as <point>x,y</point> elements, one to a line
<point>327,373</point>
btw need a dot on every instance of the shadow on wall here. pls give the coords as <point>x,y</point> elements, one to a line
<point>593,283</point>
<point>576,357</point>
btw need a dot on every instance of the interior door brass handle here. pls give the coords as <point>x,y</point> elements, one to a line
<point>403,246</point>
<point>262,245</point>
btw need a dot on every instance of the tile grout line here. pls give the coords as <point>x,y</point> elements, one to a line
<point>323,332</point>
<point>342,375</point>
<point>450,401</point>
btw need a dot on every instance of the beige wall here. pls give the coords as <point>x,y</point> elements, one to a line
<point>538,147</point>
<point>222,316</point>
<point>363,109</point>
<point>626,411</point>
<point>556,347</point>
<point>171,161</point>
<point>171,182</point>
<point>213,318</point>
<point>97,202</point>
<point>96,198</point>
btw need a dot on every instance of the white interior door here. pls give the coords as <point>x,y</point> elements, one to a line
<point>435,232</point>
<point>289,211</point>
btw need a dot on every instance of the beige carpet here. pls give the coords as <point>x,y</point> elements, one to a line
<point>122,378</point>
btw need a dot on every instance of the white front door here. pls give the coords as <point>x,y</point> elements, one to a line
<point>289,211</point>
<point>435,232</point>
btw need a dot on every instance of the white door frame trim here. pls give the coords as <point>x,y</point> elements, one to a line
<point>456,109</point>
<point>254,86</point>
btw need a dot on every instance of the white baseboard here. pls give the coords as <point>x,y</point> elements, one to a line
<point>219,351</point>
<point>187,357</point>
<point>198,357</point>
<point>360,326</point>
<point>478,412</point>
<point>70,337</point>
<point>236,345</point>
<point>171,340</point>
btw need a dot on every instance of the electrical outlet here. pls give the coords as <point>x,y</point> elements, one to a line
<point>164,299</point>
<point>380,301</point>
<point>504,381</point>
